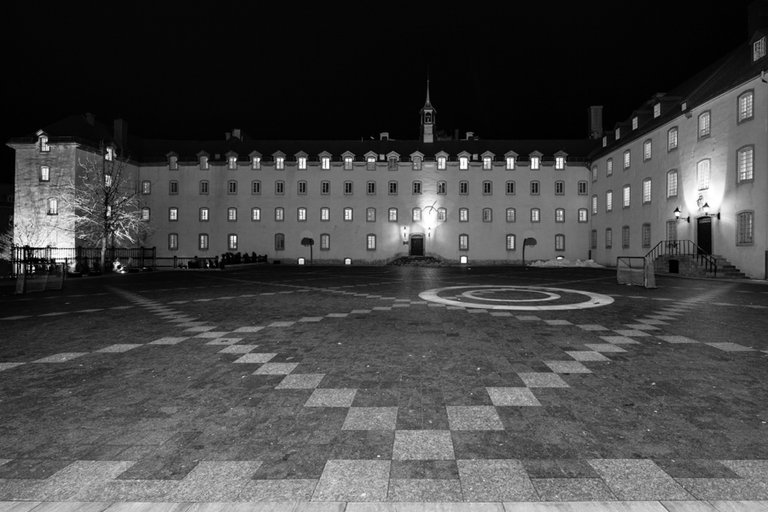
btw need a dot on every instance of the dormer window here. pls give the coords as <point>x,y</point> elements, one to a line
<point>634,123</point>
<point>416,163</point>
<point>370,163</point>
<point>347,163</point>
<point>559,163</point>
<point>618,133</point>
<point>232,162</point>
<point>535,163</point>
<point>255,162</point>
<point>463,163</point>
<point>758,49</point>
<point>302,163</point>
<point>510,163</point>
<point>110,154</point>
<point>487,163</point>
<point>173,162</point>
<point>392,163</point>
<point>44,147</point>
<point>441,162</point>
<point>280,162</point>
<point>204,162</point>
<point>656,110</point>
<point>325,163</point>
<point>605,141</point>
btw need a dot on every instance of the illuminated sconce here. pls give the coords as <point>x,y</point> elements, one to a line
<point>429,232</point>
<point>301,261</point>
<point>347,261</point>
<point>405,235</point>
<point>463,260</point>
<point>705,208</point>
<point>677,216</point>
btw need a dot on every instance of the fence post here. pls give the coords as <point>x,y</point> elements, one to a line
<point>175,258</point>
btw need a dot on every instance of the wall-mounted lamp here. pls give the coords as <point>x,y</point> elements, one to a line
<point>677,216</point>
<point>405,235</point>
<point>705,209</point>
<point>429,232</point>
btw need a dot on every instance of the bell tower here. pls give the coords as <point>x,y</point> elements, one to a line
<point>427,120</point>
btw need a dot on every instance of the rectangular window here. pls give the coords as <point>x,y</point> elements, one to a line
<point>392,185</point>
<point>510,242</point>
<point>746,102</point>
<point>232,162</point>
<point>146,187</point>
<point>325,163</point>
<point>463,163</point>
<point>625,196</point>
<point>231,187</point>
<point>672,139</point>
<point>348,214</point>
<point>510,163</point>
<point>559,215</point>
<point>463,188</point>
<point>325,214</point>
<point>634,123</point>
<point>646,235</point>
<point>745,162</point>
<point>416,163</point>
<point>442,214</point>
<point>745,228</point>
<point>608,238</point>
<point>704,124</point>
<point>594,173</point>
<point>173,187</point>
<point>173,162</point>
<point>173,241</point>
<point>441,161</point>
<point>646,190</point>
<point>325,242</point>
<point>625,237</point>
<point>256,214</point>
<point>279,214</point>
<point>325,187</point>
<point>656,110</point>
<point>510,188</point>
<point>256,188</point>
<point>593,239</point>
<point>672,183</point>
<point>392,215</point>
<point>535,163</point>
<point>370,215</point>
<point>671,230</point>
<point>442,187</point>
<point>609,167</point>
<point>53,206</point>
<point>463,215</point>
<point>487,163</point>
<point>301,214</point>
<point>627,159</point>
<point>416,188</point>
<point>559,188</point>
<point>173,214</point>
<point>301,188</point>
<point>647,150</point>
<point>758,49</point>
<point>370,163</point>
<point>256,163</point>
<point>559,163</point>
<point>347,188</point>
<point>204,163</point>
<point>702,174</point>
<point>511,215</point>
<point>609,201</point>
<point>559,242</point>
<point>594,205</point>
<point>232,214</point>
<point>416,215</point>
<point>279,242</point>
<point>463,242</point>
<point>583,215</point>
<point>535,215</point>
<point>487,188</point>
<point>202,242</point>
<point>232,242</point>
<point>487,215</point>
<point>45,173</point>
<point>534,188</point>
<point>370,242</point>
<point>302,163</point>
<point>347,166</point>
<point>203,187</point>
<point>145,214</point>
<point>279,188</point>
<point>280,162</point>
<point>204,215</point>
<point>370,188</point>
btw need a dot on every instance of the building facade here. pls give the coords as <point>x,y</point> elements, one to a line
<point>687,165</point>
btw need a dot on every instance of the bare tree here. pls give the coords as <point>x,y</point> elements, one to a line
<point>105,203</point>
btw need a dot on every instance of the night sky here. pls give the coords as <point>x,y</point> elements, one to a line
<point>195,69</point>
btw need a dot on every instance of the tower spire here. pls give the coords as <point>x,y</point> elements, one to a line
<point>427,119</point>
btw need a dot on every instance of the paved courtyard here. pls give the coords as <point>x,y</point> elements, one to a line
<point>366,388</point>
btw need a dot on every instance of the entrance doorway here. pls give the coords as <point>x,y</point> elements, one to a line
<point>417,245</point>
<point>704,234</point>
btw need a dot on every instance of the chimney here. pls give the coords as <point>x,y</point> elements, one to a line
<point>236,133</point>
<point>90,119</point>
<point>227,135</point>
<point>595,122</point>
<point>120,134</point>
<point>384,136</point>
<point>470,135</point>
<point>456,134</point>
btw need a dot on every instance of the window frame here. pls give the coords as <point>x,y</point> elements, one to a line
<point>670,192</point>
<point>672,139</point>
<point>745,234</point>
<point>743,150</point>
<point>704,125</point>
<point>742,117</point>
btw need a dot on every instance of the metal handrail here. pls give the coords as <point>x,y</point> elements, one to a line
<point>684,248</point>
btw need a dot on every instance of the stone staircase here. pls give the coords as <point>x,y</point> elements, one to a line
<point>726,269</point>
<point>686,265</point>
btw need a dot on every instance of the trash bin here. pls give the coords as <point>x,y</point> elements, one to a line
<point>674,266</point>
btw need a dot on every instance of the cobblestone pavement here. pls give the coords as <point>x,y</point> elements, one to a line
<point>370,387</point>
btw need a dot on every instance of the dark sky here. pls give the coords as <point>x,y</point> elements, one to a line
<point>196,69</point>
